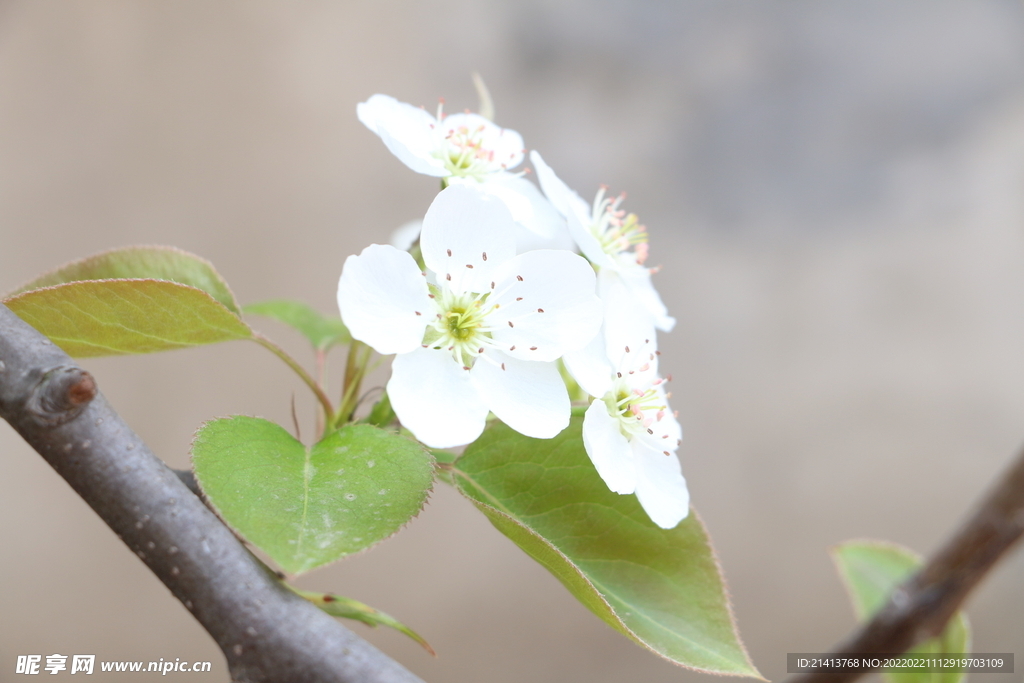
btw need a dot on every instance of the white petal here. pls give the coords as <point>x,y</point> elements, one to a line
<point>589,245</point>
<point>547,305</point>
<point>435,399</point>
<point>379,294</point>
<point>407,131</point>
<point>529,208</point>
<point>590,367</point>
<point>377,107</point>
<point>466,235</point>
<point>664,435</point>
<point>639,364</point>
<point>660,486</point>
<point>626,322</point>
<point>412,148</point>
<point>668,425</point>
<point>608,448</point>
<point>528,396</point>
<point>406,235</point>
<point>527,240</point>
<point>564,199</point>
<point>638,280</point>
<point>504,144</point>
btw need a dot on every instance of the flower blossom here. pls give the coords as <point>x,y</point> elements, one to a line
<point>480,330</point>
<point>467,149</point>
<point>616,243</point>
<point>631,435</point>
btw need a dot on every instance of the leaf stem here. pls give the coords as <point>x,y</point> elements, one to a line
<point>325,402</point>
<point>266,632</point>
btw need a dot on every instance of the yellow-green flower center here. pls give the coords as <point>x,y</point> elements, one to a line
<point>460,325</point>
<point>464,154</point>
<point>635,409</point>
<point>616,231</point>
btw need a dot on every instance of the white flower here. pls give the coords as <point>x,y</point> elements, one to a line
<point>616,243</point>
<point>480,330</point>
<point>631,435</point>
<point>466,149</point>
<point>406,235</point>
<point>459,145</point>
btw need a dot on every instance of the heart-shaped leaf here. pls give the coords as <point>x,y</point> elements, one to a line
<point>660,587</point>
<point>142,263</point>
<point>322,331</point>
<point>308,506</point>
<point>112,317</point>
<point>871,570</point>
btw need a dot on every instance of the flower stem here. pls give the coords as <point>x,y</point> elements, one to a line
<point>355,370</point>
<point>321,381</point>
<point>317,390</point>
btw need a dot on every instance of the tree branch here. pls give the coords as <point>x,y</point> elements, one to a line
<point>268,634</point>
<point>920,607</point>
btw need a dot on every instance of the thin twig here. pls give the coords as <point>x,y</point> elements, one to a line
<point>920,607</point>
<point>268,634</point>
<point>325,403</point>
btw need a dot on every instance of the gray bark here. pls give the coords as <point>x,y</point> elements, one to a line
<point>267,632</point>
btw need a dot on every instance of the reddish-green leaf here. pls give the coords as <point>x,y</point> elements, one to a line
<point>113,317</point>
<point>144,262</point>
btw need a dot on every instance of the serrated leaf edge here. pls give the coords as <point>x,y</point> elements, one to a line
<point>213,507</point>
<point>30,292</point>
<point>237,309</point>
<point>622,627</point>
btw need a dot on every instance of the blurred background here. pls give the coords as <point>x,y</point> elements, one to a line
<point>833,191</point>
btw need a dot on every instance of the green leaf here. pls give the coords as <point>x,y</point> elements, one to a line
<point>347,608</point>
<point>142,263</point>
<point>382,414</point>
<point>871,570</point>
<point>308,506</point>
<point>322,331</point>
<point>661,588</point>
<point>113,317</point>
